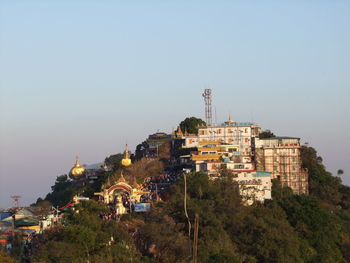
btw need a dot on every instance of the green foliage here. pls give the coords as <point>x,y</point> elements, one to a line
<point>289,228</point>
<point>114,161</point>
<point>265,234</point>
<point>279,192</point>
<point>60,252</point>
<point>340,172</point>
<point>266,134</point>
<point>191,124</point>
<point>322,184</point>
<point>86,237</point>
<point>63,191</point>
<point>315,224</point>
<point>165,237</point>
<point>140,149</point>
<point>90,189</point>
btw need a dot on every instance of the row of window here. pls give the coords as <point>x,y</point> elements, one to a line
<point>292,159</point>
<point>294,177</point>
<point>220,131</point>
<point>293,150</point>
<point>293,168</point>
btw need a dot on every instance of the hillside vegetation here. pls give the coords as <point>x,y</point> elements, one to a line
<point>289,228</point>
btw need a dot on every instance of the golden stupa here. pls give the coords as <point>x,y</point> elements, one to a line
<point>77,170</point>
<point>126,161</point>
<point>230,121</point>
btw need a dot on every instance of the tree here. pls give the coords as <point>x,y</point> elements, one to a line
<point>114,160</point>
<point>268,229</point>
<point>62,191</point>
<point>266,134</point>
<point>315,224</point>
<point>141,150</point>
<point>322,184</point>
<point>340,172</point>
<point>191,124</point>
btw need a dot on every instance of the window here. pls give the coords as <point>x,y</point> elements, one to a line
<point>275,168</point>
<point>293,150</point>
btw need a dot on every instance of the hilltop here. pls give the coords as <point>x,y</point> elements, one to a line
<point>288,227</point>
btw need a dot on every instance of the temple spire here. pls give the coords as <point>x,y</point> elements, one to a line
<point>230,121</point>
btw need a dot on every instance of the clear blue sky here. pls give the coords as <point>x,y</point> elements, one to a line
<point>84,77</point>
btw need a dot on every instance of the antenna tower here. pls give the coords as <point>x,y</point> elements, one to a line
<point>208,112</point>
<point>15,199</point>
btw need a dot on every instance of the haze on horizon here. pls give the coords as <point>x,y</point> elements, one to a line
<point>85,77</point>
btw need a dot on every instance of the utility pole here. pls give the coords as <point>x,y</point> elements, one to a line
<point>157,192</point>
<point>15,199</point>
<point>195,239</point>
<point>186,214</point>
<point>13,226</point>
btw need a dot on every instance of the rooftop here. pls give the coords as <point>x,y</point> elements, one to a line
<point>233,124</point>
<point>280,138</point>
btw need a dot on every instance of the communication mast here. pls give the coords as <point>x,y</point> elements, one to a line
<point>15,199</point>
<point>208,111</point>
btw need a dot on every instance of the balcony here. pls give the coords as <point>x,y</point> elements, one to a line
<point>207,157</point>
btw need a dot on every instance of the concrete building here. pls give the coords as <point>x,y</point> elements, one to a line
<point>281,157</point>
<point>232,133</point>
<point>254,186</point>
<point>236,146</point>
<point>212,156</point>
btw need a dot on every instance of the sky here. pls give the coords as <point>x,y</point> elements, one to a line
<point>85,77</point>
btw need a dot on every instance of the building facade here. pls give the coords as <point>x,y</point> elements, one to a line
<point>254,186</point>
<point>236,146</point>
<point>281,157</point>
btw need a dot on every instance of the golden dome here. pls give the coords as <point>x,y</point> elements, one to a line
<point>77,170</point>
<point>126,161</point>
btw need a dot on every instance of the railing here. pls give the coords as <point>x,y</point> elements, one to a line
<point>205,157</point>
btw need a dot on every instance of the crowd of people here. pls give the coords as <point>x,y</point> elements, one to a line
<point>162,182</point>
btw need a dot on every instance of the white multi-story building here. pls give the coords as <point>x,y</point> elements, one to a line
<point>254,186</point>
<point>233,133</point>
<point>236,146</point>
